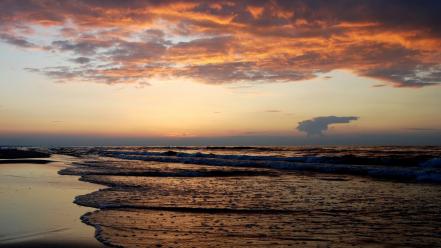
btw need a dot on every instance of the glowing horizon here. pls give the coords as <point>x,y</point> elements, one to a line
<point>189,69</point>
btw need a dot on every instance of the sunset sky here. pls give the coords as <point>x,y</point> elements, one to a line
<point>220,72</point>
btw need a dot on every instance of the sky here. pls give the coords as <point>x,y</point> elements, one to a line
<point>220,72</point>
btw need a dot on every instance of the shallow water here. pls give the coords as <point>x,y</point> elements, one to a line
<point>261,211</point>
<point>36,206</point>
<point>183,204</point>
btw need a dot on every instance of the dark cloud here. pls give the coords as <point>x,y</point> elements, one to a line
<point>81,60</point>
<point>317,125</point>
<point>406,72</point>
<point>65,74</point>
<point>17,41</point>
<point>136,51</point>
<point>205,45</point>
<point>242,71</point>
<point>59,73</point>
<point>82,47</point>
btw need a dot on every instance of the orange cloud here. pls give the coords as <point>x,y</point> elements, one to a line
<point>131,41</point>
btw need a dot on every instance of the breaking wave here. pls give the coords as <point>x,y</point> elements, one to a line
<point>427,171</point>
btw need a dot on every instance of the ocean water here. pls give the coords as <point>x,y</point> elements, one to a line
<point>262,196</point>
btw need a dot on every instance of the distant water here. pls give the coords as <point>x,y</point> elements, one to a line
<point>262,196</point>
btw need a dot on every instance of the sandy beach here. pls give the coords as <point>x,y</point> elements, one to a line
<point>37,207</point>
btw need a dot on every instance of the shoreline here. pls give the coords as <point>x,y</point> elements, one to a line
<point>37,207</point>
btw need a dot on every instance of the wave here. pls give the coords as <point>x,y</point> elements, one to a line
<point>384,155</point>
<point>316,164</point>
<point>213,173</point>
<point>432,163</point>
<point>404,160</point>
<point>117,167</point>
<point>122,206</point>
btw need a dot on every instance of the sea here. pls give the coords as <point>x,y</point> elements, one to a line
<point>255,196</point>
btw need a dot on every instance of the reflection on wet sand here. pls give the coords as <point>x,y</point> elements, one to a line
<point>36,207</point>
<point>263,209</point>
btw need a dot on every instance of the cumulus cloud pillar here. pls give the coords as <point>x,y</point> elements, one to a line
<point>318,125</point>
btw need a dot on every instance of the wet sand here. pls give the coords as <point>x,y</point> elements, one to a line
<point>153,204</point>
<point>36,207</point>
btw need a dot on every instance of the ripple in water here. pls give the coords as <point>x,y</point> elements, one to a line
<point>167,204</point>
